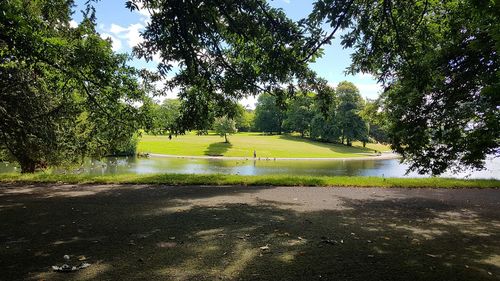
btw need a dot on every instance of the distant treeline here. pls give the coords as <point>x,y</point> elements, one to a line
<point>344,117</point>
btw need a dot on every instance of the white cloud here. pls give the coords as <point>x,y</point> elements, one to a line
<point>167,94</point>
<point>249,102</point>
<point>363,76</point>
<point>116,43</point>
<point>157,58</point>
<point>142,11</point>
<point>117,29</point>
<point>73,24</point>
<point>132,33</point>
<point>286,1</point>
<point>370,91</point>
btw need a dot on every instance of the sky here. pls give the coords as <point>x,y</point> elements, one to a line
<point>124,27</point>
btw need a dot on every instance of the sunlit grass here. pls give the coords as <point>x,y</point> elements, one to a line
<point>243,145</point>
<point>267,180</point>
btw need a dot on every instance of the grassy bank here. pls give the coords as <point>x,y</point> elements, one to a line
<point>277,180</point>
<point>243,145</point>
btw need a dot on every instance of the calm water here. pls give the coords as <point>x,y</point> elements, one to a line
<point>386,168</point>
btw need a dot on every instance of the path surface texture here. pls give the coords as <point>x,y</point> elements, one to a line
<point>133,232</point>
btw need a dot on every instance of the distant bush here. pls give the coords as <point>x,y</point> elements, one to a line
<point>128,148</point>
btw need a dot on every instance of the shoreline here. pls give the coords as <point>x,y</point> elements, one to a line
<point>383,156</point>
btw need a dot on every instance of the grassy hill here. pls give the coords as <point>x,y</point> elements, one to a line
<point>243,145</point>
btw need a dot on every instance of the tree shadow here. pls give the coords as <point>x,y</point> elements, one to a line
<point>247,233</point>
<point>217,148</point>
<point>334,147</point>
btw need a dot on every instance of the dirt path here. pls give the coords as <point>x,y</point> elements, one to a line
<point>135,232</point>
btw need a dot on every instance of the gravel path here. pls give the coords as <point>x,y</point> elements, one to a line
<point>142,232</point>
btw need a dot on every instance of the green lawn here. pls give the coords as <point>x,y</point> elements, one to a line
<point>237,180</point>
<point>243,145</point>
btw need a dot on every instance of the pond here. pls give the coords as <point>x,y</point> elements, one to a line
<point>385,168</point>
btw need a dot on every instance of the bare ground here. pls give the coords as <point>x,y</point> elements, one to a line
<point>134,232</point>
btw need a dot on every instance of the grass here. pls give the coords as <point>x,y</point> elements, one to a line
<point>243,145</point>
<point>267,180</point>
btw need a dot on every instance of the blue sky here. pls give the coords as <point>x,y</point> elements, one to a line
<point>124,27</point>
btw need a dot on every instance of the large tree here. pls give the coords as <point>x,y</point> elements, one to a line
<point>350,103</point>
<point>440,64</point>
<point>438,61</point>
<point>268,114</point>
<point>162,118</point>
<point>64,94</point>
<point>224,126</point>
<point>226,49</point>
<point>376,119</point>
<point>299,114</point>
<point>244,119</point>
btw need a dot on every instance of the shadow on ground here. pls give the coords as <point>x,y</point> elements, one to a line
<point>216,233</point>
<point>334,147</point>
<point>217,148</point>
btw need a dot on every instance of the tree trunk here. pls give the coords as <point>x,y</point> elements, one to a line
<point>225,137</point>
<point>27,166</point>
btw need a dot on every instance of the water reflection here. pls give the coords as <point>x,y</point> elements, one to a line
<point>386,168</point>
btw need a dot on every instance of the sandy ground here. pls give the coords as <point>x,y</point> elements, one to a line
<point>140,232</point>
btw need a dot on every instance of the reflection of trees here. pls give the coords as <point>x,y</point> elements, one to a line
<point>358,167</point>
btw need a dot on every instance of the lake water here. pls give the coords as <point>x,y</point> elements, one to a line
<point>386,168</point>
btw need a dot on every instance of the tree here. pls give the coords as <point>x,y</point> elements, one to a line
<point>350,103</point>
<point>244,119</point>
<point>224,126</point>
<point>268,115</point>
<point>64,94</point>
<point>325,129</point>
<point>439,62</point>
<point>163,118</point>
<point>324,124</point>
<point>375,117</point>
<point>198,110</point>
<point>299,114</point>
<point>227,48</point>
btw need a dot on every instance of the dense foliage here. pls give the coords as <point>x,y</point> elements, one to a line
<point>162,118</point>
<point>244,119</point>
<point>226,50</point>
<point>224,126</point>
<point>347,119</point>
<point>438,61</point>
<point>268,114</point>
<point>440,64</point>
<point>63,93</point>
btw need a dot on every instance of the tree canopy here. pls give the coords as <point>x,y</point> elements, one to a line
<point>438,61</point>
<point>440,66</point>
<point>268,114</point>
<point>225,126</point>
<point>227,50</point>
<point>64,93</point>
